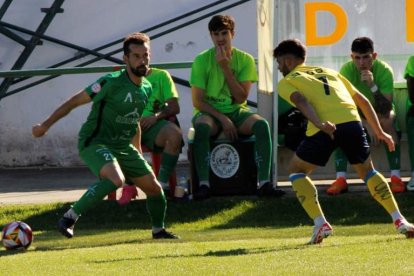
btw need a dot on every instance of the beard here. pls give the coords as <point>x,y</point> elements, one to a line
<point>140,71</point>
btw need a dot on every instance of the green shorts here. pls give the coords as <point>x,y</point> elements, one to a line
<point>132,163</point>
<point>148,136</point>
<point>237,117</point>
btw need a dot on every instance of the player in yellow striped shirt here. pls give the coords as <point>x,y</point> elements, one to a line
<point>330,102</point>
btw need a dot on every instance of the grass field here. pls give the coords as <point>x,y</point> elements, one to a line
<point>220,236</point>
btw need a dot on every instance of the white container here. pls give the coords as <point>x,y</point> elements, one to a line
<point>191,133</point>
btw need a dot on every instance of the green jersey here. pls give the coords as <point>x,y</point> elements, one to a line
<point>207,74</point>
<point>117,106</point>
<point>409,68</point>
<point>409,72</point>
<point>163,89</point>
<point>383,78</point>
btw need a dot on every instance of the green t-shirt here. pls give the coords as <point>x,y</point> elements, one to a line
<point>117,107</point>
<point>383,78</point>
<point>163,89</point>
<point>409,68</point>
<point>207,74</point>
<point>409,71</point>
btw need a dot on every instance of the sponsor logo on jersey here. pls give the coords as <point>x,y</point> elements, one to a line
<point>224,161</point>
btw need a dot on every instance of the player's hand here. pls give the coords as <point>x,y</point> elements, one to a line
<point>329,128</point>
<point>375,141</point>
<point>221,56</point>
<point>147,122</point>
<point>39,130</point>
<point>229,129</point>
<point>387,139</point>
<point>367,77</point>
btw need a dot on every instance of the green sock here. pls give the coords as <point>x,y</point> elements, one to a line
<point>410,137</point>
<point>201,147</point>
<point>341,162</point>
<point>95,193</point>
<point>156,207</point>
<point>394,157</point>
<point>263,149</point>
<point>168,163</point>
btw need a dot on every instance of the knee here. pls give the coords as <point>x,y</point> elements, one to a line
<point>154,189</point>
<point>261,126</point>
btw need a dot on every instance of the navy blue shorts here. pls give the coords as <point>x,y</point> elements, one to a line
<point>350,137</point>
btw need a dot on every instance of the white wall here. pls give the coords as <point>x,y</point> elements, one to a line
<point>93,23</point>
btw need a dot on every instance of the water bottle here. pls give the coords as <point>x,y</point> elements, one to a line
<point>181,188</point>
<point>183,183</point>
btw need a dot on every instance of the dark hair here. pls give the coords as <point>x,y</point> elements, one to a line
<point>290,46</point>
<point>220,22</point>
<point>135,38</point>
<point>362,45</point>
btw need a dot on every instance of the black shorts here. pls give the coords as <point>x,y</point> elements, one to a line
<point>350,137</point>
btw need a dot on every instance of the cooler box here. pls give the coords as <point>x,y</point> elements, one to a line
<point>233,169</point>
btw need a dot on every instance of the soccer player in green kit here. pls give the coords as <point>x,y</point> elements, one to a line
<point>374,79</point>
<point>110,139</point>
<point>158,132</point>
<point>409,75</point>
<point>330,103</point>
<point>220,80</point>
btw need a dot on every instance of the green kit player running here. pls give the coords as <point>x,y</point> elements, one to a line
<point>109,141</point>
<point>160,129</point>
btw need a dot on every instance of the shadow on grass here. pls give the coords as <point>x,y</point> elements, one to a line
<point>347,209</point>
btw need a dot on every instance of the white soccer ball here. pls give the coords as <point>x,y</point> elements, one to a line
<point>17,234</point>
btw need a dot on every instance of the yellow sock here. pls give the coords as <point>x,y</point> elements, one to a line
<point>380,190</point>
<point>307,194</point>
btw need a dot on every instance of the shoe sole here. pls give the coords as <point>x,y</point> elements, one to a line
<point>321,238</point>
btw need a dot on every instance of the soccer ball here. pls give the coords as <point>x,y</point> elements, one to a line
<point>17,234</point>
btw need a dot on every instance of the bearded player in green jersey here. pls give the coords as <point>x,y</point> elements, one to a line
<point>110,139</point>
<point>160,129</point>
<point>330,103</point>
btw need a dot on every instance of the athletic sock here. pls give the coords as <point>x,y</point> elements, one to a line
<point>95,193</point>
<point>341,174</point>
<point>396,173</point>
<point>168,162</point>
<point>341,162</point>
<point>71,214</point>
<point>396,215</point>
<point>156,207</point>
<point>201,148</point>
<point>394,157</point>
<point>262,149</point>
<point>307,194</point>
<point>204,183</point>
<point>380,191</point>
<point>319,221</point>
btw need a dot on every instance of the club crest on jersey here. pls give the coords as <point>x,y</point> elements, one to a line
<point>96,87</point>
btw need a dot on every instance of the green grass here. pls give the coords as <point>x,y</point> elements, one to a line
<point>220,236</point>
